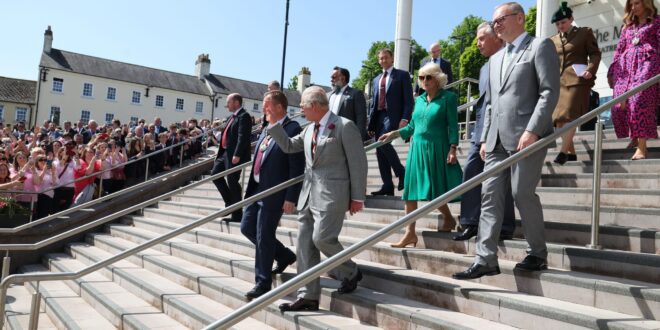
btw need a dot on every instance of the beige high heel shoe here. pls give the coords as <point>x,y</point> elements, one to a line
<point>405,241</point>
<point>448,226</point>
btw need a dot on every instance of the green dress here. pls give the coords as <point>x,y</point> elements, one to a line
<point>433,127</point>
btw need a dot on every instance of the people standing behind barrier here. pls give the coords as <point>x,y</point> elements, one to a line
<point>44,178</point>
<point>65,168</point>
<point>432,168</point>
<point>6,182</point>
<point>23,170</point>
<point>88,163</point>
<point>134,150</point>
<point>637,59</point>
<point>579,57</point>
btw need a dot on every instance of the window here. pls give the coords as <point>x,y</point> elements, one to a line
<point>179,104</point>
<point>58,85</point>
<point>255,107</point>
<point>2,112</point>
<point>87,89</point>
<point>112,93</point>
<point>84,116</point>
<point>134,121</point>
<point>21,114</point>
<point>55,115</point>
<point>109,117</point>
<point>136,97</point>
<point>199,107</point>
<point>159,101</point>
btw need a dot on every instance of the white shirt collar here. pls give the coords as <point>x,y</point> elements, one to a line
<point>281,122</point>
<point>325,119</point>
<point>516,42</point>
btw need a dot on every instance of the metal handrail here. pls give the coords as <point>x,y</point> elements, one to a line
<point>338,259</point>
<point>458,82</point>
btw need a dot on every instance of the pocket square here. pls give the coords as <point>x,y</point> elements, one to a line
<point>522,62</point>
<point>329,140</point>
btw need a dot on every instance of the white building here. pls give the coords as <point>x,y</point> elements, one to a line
<point>74,86</point>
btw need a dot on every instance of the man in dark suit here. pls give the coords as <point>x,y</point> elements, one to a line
<point>271,166</point>
<point>434,57</point>
<point>524,89</point>
<point>488,44</point>
<point>348,102</point>
<point>234,150</point>
<point>391,108</point>
<point>158,128</point>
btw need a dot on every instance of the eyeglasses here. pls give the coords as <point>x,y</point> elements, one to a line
<point>501,19</point>
<point>422,78</point>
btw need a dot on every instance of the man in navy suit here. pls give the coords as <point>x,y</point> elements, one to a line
<point>390,109</point>
<point>271,166</point>
<point>488,44</point>
<point>434,57</point>
<point>234,150</point>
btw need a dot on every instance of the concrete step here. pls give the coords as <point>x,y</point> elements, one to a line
<point>607,180</point>
<point>187,307</point>
<point>65,308</point>
<point>370,219</point>
<point>17,310</point>
<point>366,306</point>
<point>637,217</point>
<point>417,284</point>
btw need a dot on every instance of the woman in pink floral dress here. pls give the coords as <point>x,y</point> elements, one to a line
<point>637,58</point>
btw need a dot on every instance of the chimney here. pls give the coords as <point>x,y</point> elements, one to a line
<point>304,77</point>
<point>202,66</point>
<point>48,40</point>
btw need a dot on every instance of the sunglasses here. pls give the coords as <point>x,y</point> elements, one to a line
<point>501,19</point>
<point>422,78</point>
<point>3,159</point>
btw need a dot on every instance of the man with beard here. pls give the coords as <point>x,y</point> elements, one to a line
<point>348,102</point>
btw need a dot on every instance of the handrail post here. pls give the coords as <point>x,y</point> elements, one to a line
<point>32,207</point>
<point>101,186</point>
<point>595,191</point>
<point>181,156</point>
<point>468,111</point>
<point>6,262</point>
<point>34,309</point>
<point>146,171</point>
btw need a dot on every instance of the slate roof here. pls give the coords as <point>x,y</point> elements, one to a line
<point>100,67</point>
<point>17,90</point>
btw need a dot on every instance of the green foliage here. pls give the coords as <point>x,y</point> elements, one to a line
<point>10,207</point>
<point>530,21</point>
<point>293,83</point>
<point>370,67</point>
<point>451,48</point>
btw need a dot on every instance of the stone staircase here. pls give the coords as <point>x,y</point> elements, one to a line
<point>198,277</point>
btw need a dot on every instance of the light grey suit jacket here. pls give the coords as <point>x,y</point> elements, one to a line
<point>353,106</point>
<point>526,96</point>
<point>337,173</point>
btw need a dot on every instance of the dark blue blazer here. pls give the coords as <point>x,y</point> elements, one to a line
<point>482,103</point>
<point>276,168</point>
<point>398,98</point>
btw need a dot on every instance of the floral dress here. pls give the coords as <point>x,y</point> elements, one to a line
<point>637,59</point>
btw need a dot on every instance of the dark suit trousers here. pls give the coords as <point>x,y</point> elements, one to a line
<point>260,227</point>
<point>471,200</point>
<point>229,186</point>
<point>388,159</point>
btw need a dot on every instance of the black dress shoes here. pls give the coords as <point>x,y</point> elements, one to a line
<point>572,158</point>
<point>476,271</point>
<point>468,232</point>
<point>300,305</point>
<point>256,292</point>
<point>349,285</point>
<point>561,158</point>
<point>531,264</point>
<point>281,266</point>
<point>382,192</point>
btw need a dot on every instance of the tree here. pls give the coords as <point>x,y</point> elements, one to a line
<point>293,83</point>
<point>371,68</point>
<point>451,47</point>
<point>530,21</point>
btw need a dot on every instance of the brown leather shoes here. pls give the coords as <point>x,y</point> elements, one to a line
<point>300,305</point>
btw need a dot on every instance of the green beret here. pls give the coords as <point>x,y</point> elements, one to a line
<point>563,12</point>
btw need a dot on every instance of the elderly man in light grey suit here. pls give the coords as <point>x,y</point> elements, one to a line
<point>524,82</point>
<point>335,182</point>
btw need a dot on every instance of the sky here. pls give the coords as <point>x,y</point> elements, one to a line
<point>243,38</point>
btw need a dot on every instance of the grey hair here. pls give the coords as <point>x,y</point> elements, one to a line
<point>487,26</point>
<point>432,69</point>
<point>513,6</point>
<point>275,84</point>
<point>314,95</point>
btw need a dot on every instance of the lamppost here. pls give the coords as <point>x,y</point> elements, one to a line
<point>286,29</point>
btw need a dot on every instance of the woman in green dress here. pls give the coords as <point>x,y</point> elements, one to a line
<point>432,168</point>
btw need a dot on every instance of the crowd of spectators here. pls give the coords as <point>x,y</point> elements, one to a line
<point>41,168</point>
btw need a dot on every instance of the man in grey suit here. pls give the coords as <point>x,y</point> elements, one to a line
<point>524,89</point>
<point>332,186</point>
<point>346,101</point>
